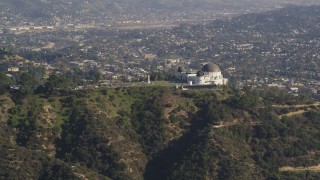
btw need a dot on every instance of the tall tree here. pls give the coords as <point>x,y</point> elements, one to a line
<point>28,83</point>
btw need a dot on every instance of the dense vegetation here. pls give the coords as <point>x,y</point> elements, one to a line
<point>157,133</point>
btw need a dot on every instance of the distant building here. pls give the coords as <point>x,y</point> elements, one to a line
<point>210,74</point>
<point>150,56</point>
<point>15,87</point>
<point>13,69</point>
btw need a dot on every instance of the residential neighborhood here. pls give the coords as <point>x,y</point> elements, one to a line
<point>255,49</point>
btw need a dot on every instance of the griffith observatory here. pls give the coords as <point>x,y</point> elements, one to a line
<point>210,74</point>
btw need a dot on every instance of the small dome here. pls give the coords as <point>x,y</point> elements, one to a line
<point>200,73</point>
<point>181,69</point>
<point>210,67</point>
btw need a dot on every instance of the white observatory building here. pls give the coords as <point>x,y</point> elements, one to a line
<point>210,74</point>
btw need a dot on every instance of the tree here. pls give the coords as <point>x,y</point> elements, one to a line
<point>27,83</point>
<point>54,82</point>
<point>95,75</point>
<point>4,79</point>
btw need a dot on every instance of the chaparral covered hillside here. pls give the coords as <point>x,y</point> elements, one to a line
<point>158,132</point>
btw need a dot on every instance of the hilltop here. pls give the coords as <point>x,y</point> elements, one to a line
<point>158,132</point>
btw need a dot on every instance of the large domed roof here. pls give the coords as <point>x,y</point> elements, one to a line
<point>210,67</point>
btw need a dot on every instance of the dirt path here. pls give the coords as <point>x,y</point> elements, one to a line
<point>297,106</point>
<point>81,176</point>
<point>49,45</point>
<point>298,112</point>
<point>309,168</point>
<point>292,113</point>
<point>233,123</point>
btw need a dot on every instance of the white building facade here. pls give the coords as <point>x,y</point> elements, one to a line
<point>209,75</point>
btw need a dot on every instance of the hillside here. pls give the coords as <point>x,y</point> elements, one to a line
<point>158,133</point>
<point>59,8</point>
